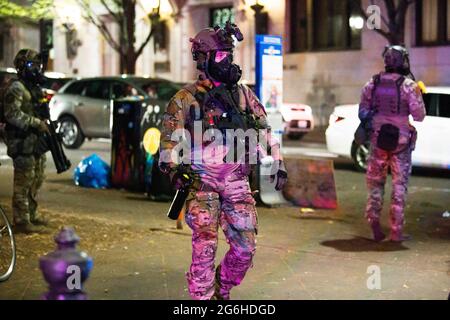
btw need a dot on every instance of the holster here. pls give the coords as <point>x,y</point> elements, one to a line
<point>42,146</point>
<point>412,137</point>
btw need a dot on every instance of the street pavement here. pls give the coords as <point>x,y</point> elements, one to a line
<point>139,254</point>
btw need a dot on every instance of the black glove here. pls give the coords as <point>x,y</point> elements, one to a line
<point>281,176</point>
<point>182,179</point>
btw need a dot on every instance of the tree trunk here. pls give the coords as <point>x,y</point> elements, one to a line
<point>395,18</point>
<point>122,64</point>
<point>129,8</point>
<point>131,63</point>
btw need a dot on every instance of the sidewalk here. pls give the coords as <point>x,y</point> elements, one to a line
<point>138,253</point>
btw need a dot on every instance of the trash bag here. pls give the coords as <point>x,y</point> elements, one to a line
<point>92,172</point>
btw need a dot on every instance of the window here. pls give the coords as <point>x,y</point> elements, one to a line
<point>219,16</point>
<point>97,90</point>
<point>118,90</point>
<point>325,25</point>
<point>151,90</point>
<point>123,90</point>
<point>299,26</point>
<point>444,105</point>
<point>433,22</point>
<point>166,90</point>
<point>75,88</point>
<point>54,83</point>
<point>161,36</point>
<point>430,101</point>
<point>160,90</point>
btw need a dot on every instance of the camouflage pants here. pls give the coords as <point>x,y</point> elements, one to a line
<point>378,164</point>
<point>232,206</point>
<point>28,179</point>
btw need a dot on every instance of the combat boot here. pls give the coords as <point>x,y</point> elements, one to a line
<point>217,286</point>
<point>29,228</point>
<point>398,236</point>
<point>378,235</point>
<point>40,221</point>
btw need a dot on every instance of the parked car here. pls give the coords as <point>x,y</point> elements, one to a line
<point>83,106</point>
<point>298,118</point>
<point>433,144</point>
<point>53,82</point>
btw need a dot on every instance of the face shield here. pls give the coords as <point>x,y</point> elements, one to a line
<point>33,70</point>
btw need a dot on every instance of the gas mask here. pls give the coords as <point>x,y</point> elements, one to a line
<point>32,72</point>
<point>212,49</point>
<point>222,69</point>
<point>29,65</point>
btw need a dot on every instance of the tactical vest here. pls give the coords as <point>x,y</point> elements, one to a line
<point>220,109</point>
<point>386,96</point>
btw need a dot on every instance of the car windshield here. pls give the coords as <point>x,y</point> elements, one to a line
<point>161,90</point>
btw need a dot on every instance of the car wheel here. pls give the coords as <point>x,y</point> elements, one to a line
<point>70,131</point>
<point>295,136</point>
<point>360,156</point>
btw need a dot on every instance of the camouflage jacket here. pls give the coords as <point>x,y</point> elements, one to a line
<point>410,94</point>
<point>20,117</point>
<point>178,115</point>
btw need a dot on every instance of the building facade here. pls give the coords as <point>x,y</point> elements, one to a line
<point>329,51</point>
<point>329,55</point>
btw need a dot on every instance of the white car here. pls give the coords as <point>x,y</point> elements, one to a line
<point>433,143</point>
<point>298,119</point>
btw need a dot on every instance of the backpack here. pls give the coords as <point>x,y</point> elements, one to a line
<point>389,134</point>
<point>362,133</point>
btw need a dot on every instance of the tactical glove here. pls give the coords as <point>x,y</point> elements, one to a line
<point>281,176</point>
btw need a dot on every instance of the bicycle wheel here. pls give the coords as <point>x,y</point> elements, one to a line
<point>7,248</point>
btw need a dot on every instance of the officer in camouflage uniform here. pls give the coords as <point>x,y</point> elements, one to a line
<point>223,196</point>
<point>388,99</point>
<point>23,130</point>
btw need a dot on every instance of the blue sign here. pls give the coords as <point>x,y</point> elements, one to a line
<point>269,71</point>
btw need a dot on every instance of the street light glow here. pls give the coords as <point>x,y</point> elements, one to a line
<point>356,22</point>
<point>165,8</point>
<point>68,13</point>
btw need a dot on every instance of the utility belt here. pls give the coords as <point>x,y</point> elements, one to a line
<point>233,121</point>
<point>412,137</point>
<point>15,133</point>
<point>35,138</point>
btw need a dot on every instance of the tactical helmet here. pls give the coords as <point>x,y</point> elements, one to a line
<point>25,56</point>
<point>214,39</point>
<point>396,58</point>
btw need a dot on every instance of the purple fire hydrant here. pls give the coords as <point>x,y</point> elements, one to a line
<point>66,268</point>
